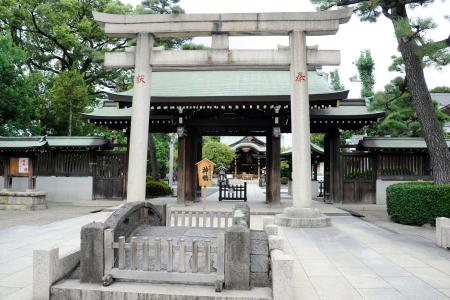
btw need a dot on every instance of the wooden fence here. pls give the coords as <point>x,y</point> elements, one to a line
<point>169,260</point>
<point>210,219</point>
<point>232,192</point>
<point>70,163</point>
<point>404,165</point>
<point>359,178</point>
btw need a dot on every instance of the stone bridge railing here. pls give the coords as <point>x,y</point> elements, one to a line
<point>171,260</point>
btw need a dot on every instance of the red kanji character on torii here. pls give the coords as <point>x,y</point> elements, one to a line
<point>300,77</point>
<point>140,78</point>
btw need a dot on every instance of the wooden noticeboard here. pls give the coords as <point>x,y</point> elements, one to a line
<point>19,166</point>
<point>205,169</point>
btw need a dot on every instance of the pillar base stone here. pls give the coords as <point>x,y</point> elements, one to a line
<point>302,217</point>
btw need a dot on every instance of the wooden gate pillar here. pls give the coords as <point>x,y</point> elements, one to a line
<point>268,167</point>
<point>181,170</point>
<point>275,164</point>
<point>333,184</point>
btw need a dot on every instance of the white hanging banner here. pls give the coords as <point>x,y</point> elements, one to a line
<point>23,165</point>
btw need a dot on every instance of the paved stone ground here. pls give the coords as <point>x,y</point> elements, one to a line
<point>18,242</point>
<point>56,211</point>
<point>377,214</point>
<point>352,259</point>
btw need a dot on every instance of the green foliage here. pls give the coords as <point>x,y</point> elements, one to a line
<point>207,139</point>
<point>418,203</point>
<point>218,153</point>
<point>441,89</point>
<point>157,188</point>
<point>17,90</point>
<point>68,98</point>
<point>191,46</point>
<point>162,141</point>
<point>401,118</point>
<point>366,66</point>
<point>318,139</point>
<point>62,35</point>
<point>336,81</point>
<point>284,169</point>
<point>284,180</point>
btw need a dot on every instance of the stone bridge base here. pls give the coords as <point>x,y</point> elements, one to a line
<point>72,289</point>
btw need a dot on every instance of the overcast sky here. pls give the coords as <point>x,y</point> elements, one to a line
<point>351,39</point>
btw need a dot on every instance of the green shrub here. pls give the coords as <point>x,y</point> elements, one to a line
<point>418,203</point>
<point>157,188</point>
<point>284,180</point>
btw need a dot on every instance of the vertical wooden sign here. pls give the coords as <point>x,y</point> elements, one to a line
<point>205,171</point>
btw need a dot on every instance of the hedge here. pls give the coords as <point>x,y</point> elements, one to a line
<point>284,180</point>
<point>418,203</point>
<point>157,188</point>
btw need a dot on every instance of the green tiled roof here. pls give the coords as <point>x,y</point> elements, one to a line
<point>314,148</point>
<point>36,142</point>
<point>345,111</point>
<point>230,83</point>
<point>331,112</point>
<point>368,143</point>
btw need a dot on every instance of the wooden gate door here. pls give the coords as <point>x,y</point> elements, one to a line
<point>359,178</point>
<point>109,175</point>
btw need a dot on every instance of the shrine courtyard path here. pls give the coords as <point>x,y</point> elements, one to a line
<point>352,259</point>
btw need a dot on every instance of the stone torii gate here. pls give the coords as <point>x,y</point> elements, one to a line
<point>296,58</point>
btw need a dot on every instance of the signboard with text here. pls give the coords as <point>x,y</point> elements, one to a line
<point>205,169</point>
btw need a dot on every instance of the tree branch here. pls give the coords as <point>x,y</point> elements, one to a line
<point>349,2</point>
<point>442,44</point>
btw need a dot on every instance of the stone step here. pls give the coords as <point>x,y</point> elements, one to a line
<point>72,289</point>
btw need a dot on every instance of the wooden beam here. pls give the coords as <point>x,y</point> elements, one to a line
<point>220,59</point>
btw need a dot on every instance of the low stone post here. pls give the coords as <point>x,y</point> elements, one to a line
<point>443,232</point>
<point>237,258</point>
<point>282,275</point>
<point>92,263</point>
<point>49,267</point>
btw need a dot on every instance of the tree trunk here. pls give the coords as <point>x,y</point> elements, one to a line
<point>431,129</point>
<point>70,119</point>
<point>152,157</point>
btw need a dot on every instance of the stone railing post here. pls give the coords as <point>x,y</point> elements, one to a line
<point>237,258</point>
<point>92,262</point>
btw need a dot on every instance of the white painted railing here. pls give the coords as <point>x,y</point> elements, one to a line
<point>164,259</point>
<point>209,219</point>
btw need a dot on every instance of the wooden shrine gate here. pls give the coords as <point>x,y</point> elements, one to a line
<point>232,191</point>
<point>109,173</point>
<point>359,178</point>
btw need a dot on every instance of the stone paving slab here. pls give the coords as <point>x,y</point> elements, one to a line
<point>161,291</point>
<point>17,245</point>
<point>352,259</point>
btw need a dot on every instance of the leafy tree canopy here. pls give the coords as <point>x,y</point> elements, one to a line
<point>401,118</point>
<point>17,90</point>
<point>218,153</point>
<point>335,80</point>
<point>417,51</point>
<point>441,89</point>
<point>366,66</point>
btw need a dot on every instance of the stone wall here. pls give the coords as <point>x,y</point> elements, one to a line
<point>381,187</point>
<point>65,189</point>
<point>59,189</point>
<point>259,259</point>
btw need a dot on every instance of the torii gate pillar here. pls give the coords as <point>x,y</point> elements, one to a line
<point>302,214</point>
<point>140,118</point>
